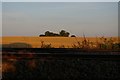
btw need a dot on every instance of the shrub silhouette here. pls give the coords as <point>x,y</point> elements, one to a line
<point>17,45</point>
<point>73,36</point>
<point>43,45</point>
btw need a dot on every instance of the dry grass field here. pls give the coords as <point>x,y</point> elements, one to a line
<point>56,42</point>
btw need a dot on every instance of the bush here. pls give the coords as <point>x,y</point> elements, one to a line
<point>73,36</point>
<point>17,45</point>
<point>45,45</point>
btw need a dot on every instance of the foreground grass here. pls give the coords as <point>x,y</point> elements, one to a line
<point>61,68</point>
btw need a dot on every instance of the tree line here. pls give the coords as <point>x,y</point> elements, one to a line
<point>62,33</point>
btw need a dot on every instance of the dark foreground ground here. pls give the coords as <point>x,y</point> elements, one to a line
<point>74,67</point>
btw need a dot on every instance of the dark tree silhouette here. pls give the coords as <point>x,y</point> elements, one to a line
<point>61,33</point>
<point>73,36</point>
<point>47,33</point>
<point>67,34</point>
<point>64,33</point>
<point>41,35</point>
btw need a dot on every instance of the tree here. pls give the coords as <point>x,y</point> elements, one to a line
<point>61,33</point>
<point>64,33</point>
<point>41,35</point>
<point>47,33</point>
<point>67,34</point>
<point>73,36</point>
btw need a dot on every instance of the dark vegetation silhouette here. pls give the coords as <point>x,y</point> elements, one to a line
<point>17,45</point>
<point>104,44</point>
<point>62,33</point>
<point>73,36</point>
<point>64,68</point>
<point>43,45</point>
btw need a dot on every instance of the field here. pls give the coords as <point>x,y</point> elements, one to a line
<point>57,42</point>
<point>28,65</point>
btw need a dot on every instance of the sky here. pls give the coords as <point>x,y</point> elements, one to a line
<point>0,19</point>
<point>34,18</point>
<point>60,0</point>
